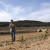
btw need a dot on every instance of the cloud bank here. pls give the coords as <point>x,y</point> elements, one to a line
<point>9,12</point>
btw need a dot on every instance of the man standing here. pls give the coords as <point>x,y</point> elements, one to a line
<point>12,30</point>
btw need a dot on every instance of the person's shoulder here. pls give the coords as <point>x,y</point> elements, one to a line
<point>10,23</point>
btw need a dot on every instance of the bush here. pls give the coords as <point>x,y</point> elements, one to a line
<point>1,44</point>
<point>22,39</point>
<point>41,36</point>
<point>45,36</point>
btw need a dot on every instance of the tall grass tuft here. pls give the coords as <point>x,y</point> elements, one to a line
<point>1,44</point>
<point>22,39</point>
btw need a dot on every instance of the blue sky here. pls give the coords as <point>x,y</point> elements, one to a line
<point>25,10</point>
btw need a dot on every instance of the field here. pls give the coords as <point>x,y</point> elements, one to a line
<point>26,39</point>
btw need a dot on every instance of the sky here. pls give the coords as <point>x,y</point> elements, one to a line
<point>25,10</point>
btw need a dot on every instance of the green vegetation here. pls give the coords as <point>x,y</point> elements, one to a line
<point>26,23</point>
<point>1,44</point>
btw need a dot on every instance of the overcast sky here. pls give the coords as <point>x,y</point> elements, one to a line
<point>25,10</point>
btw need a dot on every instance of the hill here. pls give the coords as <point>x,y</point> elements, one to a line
<point>26,23</point>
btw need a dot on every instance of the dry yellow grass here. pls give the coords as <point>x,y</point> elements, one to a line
<point>5,40</point>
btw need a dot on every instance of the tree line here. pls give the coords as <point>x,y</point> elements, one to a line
<point>26,23</point>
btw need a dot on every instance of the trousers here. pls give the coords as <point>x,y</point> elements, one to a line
<point>13,35</point>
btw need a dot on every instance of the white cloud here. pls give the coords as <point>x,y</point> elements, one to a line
<point>17,10</point>
<point>45,18</point>
<point>22,18</point>
<point>4,16</point>
<point>46,4</point>
<point>13,9</point>
<point>9,11</point>
<point>42,15</point>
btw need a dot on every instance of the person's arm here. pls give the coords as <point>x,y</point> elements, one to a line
<point>11,26</point>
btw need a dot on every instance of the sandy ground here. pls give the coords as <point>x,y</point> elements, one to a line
<point>6,44</point>
<point>26,35</point>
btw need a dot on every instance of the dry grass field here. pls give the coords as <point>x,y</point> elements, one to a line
<point>27,39</point>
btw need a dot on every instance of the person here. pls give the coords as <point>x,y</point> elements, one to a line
<point>12,30</point>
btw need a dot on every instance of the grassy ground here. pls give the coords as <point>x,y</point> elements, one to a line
<point>26,41</point>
